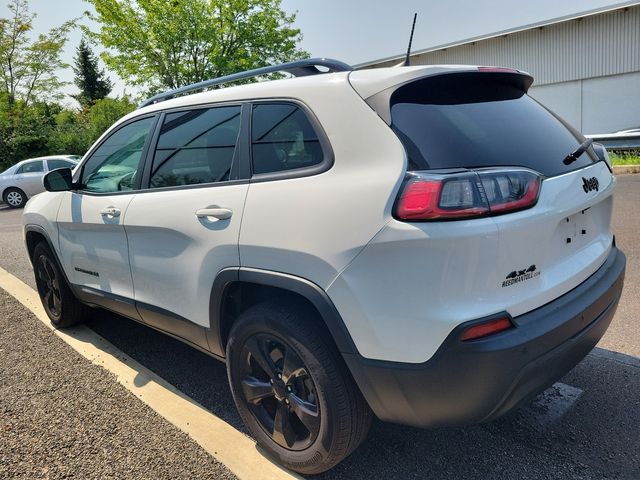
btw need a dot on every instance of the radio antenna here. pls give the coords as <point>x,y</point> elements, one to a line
<point>407,61</point>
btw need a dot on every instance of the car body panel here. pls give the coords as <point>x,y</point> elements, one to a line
<point>175,256</point>
<point>313,226</point>
<point>93,246</point>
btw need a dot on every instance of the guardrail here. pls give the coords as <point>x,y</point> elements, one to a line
<point>618,141</point>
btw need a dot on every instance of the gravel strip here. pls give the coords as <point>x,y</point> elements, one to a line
<point>63,417</point>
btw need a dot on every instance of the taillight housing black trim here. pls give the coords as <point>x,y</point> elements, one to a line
<point>464,194</point>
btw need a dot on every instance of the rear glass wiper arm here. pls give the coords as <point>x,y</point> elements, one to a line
<point>573,156</point>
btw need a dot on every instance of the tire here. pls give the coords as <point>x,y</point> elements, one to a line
<point>292,388</point>
<point>62,307</point>
<point>14,197</point>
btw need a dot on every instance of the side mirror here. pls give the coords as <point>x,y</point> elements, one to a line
<point>59,180</point>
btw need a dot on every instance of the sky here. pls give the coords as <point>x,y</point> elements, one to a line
<point>357,31</point>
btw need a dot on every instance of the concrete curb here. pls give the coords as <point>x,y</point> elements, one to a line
<point>623,169</point>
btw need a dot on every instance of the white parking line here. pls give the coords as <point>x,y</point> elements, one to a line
<point>554,403</point>
<point>229,446</point>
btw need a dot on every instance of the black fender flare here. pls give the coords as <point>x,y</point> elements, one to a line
<point>29,228</point>
<point>298,285</point>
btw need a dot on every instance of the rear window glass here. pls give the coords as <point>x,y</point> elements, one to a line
<point>480,120</point>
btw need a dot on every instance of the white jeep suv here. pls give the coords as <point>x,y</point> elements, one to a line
<point>427,244</point>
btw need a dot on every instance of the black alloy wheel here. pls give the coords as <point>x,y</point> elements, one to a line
<point>48,284</point>
<point>61,306</point>
<point>292,388</point>
<point>279,392</point>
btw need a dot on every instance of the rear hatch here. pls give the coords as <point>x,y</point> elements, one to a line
<point>465,122</point>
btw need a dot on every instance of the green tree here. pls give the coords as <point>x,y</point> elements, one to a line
<point>104,113</point>
<point>25,130</point>
<point>75,131</point>
<point>92,82</point>
<point>27,67</point>
<point>168,44</point>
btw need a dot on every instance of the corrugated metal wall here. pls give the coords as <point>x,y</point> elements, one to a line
<point>599,45</point>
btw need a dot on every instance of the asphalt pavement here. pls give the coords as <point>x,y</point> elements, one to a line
<point>64,417</point>
<point>585,427</point>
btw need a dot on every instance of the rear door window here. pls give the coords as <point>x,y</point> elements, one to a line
<point>196,146</point>
<point>282,138</point>
<point>480,120</point>
<point>30,167</point>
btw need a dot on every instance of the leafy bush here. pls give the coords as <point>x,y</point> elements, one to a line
<point>40,128</point>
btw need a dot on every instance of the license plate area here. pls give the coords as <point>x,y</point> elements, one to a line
<point>578,229</point>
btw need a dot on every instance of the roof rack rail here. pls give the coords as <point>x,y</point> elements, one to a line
<point>298,68</point>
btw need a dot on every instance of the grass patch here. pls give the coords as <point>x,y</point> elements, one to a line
<point>625,158</point>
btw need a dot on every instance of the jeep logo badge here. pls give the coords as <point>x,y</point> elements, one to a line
<point>589,184</point>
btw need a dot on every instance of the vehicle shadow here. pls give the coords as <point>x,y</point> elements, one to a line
<point>585,428</point>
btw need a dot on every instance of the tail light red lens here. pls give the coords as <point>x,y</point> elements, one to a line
<point>427,196</point>
<point>485,329</point>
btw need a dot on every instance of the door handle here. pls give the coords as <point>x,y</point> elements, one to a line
<point>110,212</point>
<point>216,212</point>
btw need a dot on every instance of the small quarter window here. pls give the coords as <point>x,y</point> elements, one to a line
<point>283,139</point>
<point>196,146</point>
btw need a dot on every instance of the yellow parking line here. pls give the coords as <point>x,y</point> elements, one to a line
<point>229,446</point>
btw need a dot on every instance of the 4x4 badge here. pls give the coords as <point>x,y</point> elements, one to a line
<point>589,184</point>
<point>518,276</point>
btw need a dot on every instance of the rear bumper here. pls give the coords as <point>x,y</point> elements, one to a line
<point>477,381</point>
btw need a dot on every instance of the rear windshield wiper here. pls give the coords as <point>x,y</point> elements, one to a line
<point>573,156</point>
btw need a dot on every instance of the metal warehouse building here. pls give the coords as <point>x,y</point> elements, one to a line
<point>586,66</point>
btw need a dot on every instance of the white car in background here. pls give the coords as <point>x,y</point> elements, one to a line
<point>24,179</point>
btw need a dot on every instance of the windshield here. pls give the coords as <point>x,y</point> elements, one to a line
<point>476,120</point>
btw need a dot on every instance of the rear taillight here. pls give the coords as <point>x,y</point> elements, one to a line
<point>428,196</point>
<point>485,329</point>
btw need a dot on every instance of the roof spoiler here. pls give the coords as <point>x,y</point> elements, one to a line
<point>381,102</point>
<point>298,68</point>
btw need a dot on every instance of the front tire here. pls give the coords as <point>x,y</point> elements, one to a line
<point>14,197</point>
<point>61,306</point>
<point>292,388</point>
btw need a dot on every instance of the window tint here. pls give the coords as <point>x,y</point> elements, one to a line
<point>114,165</point>
<point>283,139</point>
<point>196,146</point>
<point>480,120</point>
<point>53,164</point>
<point>31,167</point>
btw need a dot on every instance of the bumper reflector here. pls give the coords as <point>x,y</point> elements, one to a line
<point>485,329</point>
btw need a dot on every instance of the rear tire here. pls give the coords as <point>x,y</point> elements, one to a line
<point>292,388</point>
<point>14,197</point>
<point>61,306</point>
